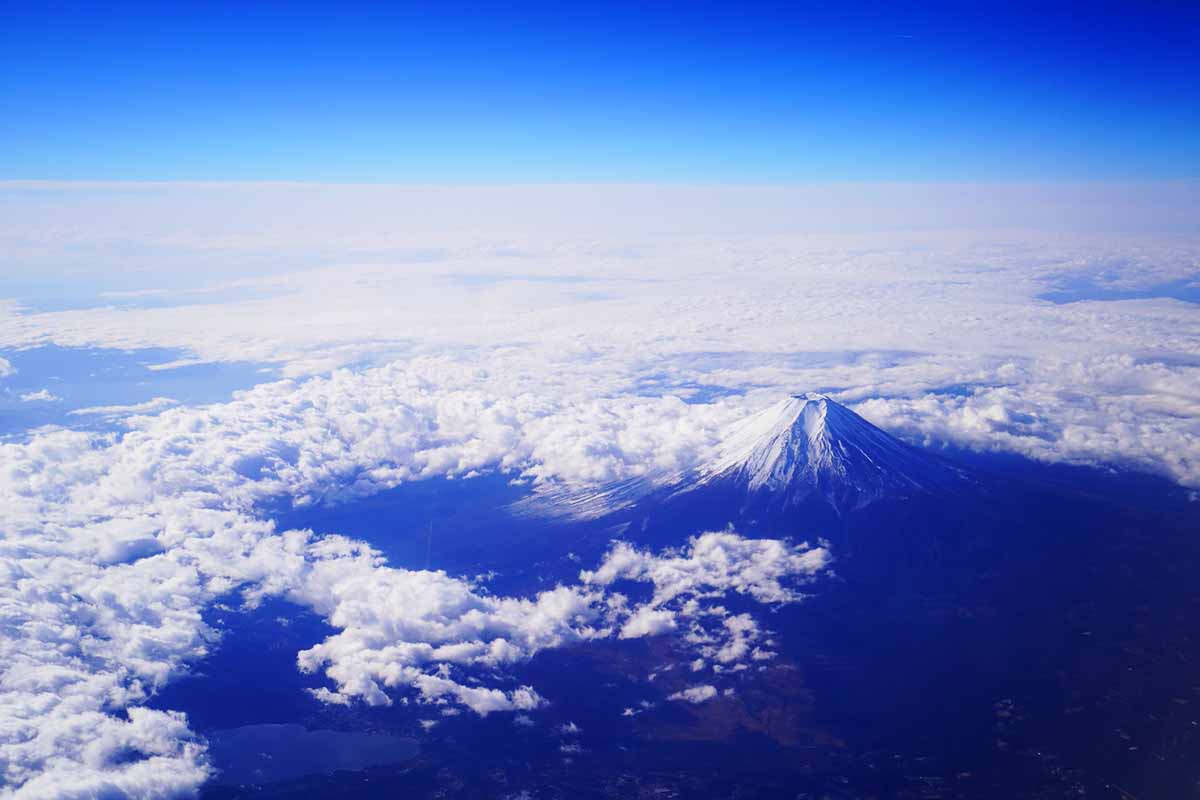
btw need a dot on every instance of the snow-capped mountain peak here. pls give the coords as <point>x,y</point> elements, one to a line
<point>804,447</point>
<point>811,445</point>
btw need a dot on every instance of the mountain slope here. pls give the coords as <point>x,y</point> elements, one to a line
<point>804,450</point>
<point>808,447</point>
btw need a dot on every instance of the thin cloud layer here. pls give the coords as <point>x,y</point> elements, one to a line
<point>577,291</point>
<point>149,407</point>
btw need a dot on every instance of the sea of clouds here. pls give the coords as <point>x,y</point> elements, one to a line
<point>570,336</point>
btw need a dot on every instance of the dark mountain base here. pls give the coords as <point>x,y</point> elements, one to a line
<point>1032,635</point>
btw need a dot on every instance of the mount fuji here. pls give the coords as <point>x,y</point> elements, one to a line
<point>809,447</point>
<point>805,455</point>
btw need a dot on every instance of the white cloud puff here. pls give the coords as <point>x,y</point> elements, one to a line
<point>711,565</point>
<point>40,396</point>
<point>648,621</point>
<point>695,694</point>
<point>689,582</point>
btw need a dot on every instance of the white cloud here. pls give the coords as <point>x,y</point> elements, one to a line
<point>404,629</point>
<point>712,564</point>
<point>695,694</point>
<point>148,407</point>
<point>170,761</point>
<point>689,583</point>
<point>742,632</point>
<point>1106,409</point>
<point>40,396</point>
<point>648,621</point>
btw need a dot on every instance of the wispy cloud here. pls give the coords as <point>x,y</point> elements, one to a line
<point>148,407</point>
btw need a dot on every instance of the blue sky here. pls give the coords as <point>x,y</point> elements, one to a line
<point>459,93</point>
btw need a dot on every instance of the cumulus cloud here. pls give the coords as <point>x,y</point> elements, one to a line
<point>40,396</point>
<point>689,582</point>
<point>414,630</point>
<point>406,629</point>
<point>648,621</point>
<point>695,694</point>
<point>711,565</point>
<point>1113,409</point>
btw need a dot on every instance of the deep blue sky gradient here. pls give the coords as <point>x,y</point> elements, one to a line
<point>529,92</point>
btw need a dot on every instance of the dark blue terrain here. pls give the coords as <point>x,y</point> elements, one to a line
<point>1029,632</point>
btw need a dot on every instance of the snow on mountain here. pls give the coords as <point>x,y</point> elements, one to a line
<point>806,447</point>
<point>809,445</point>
